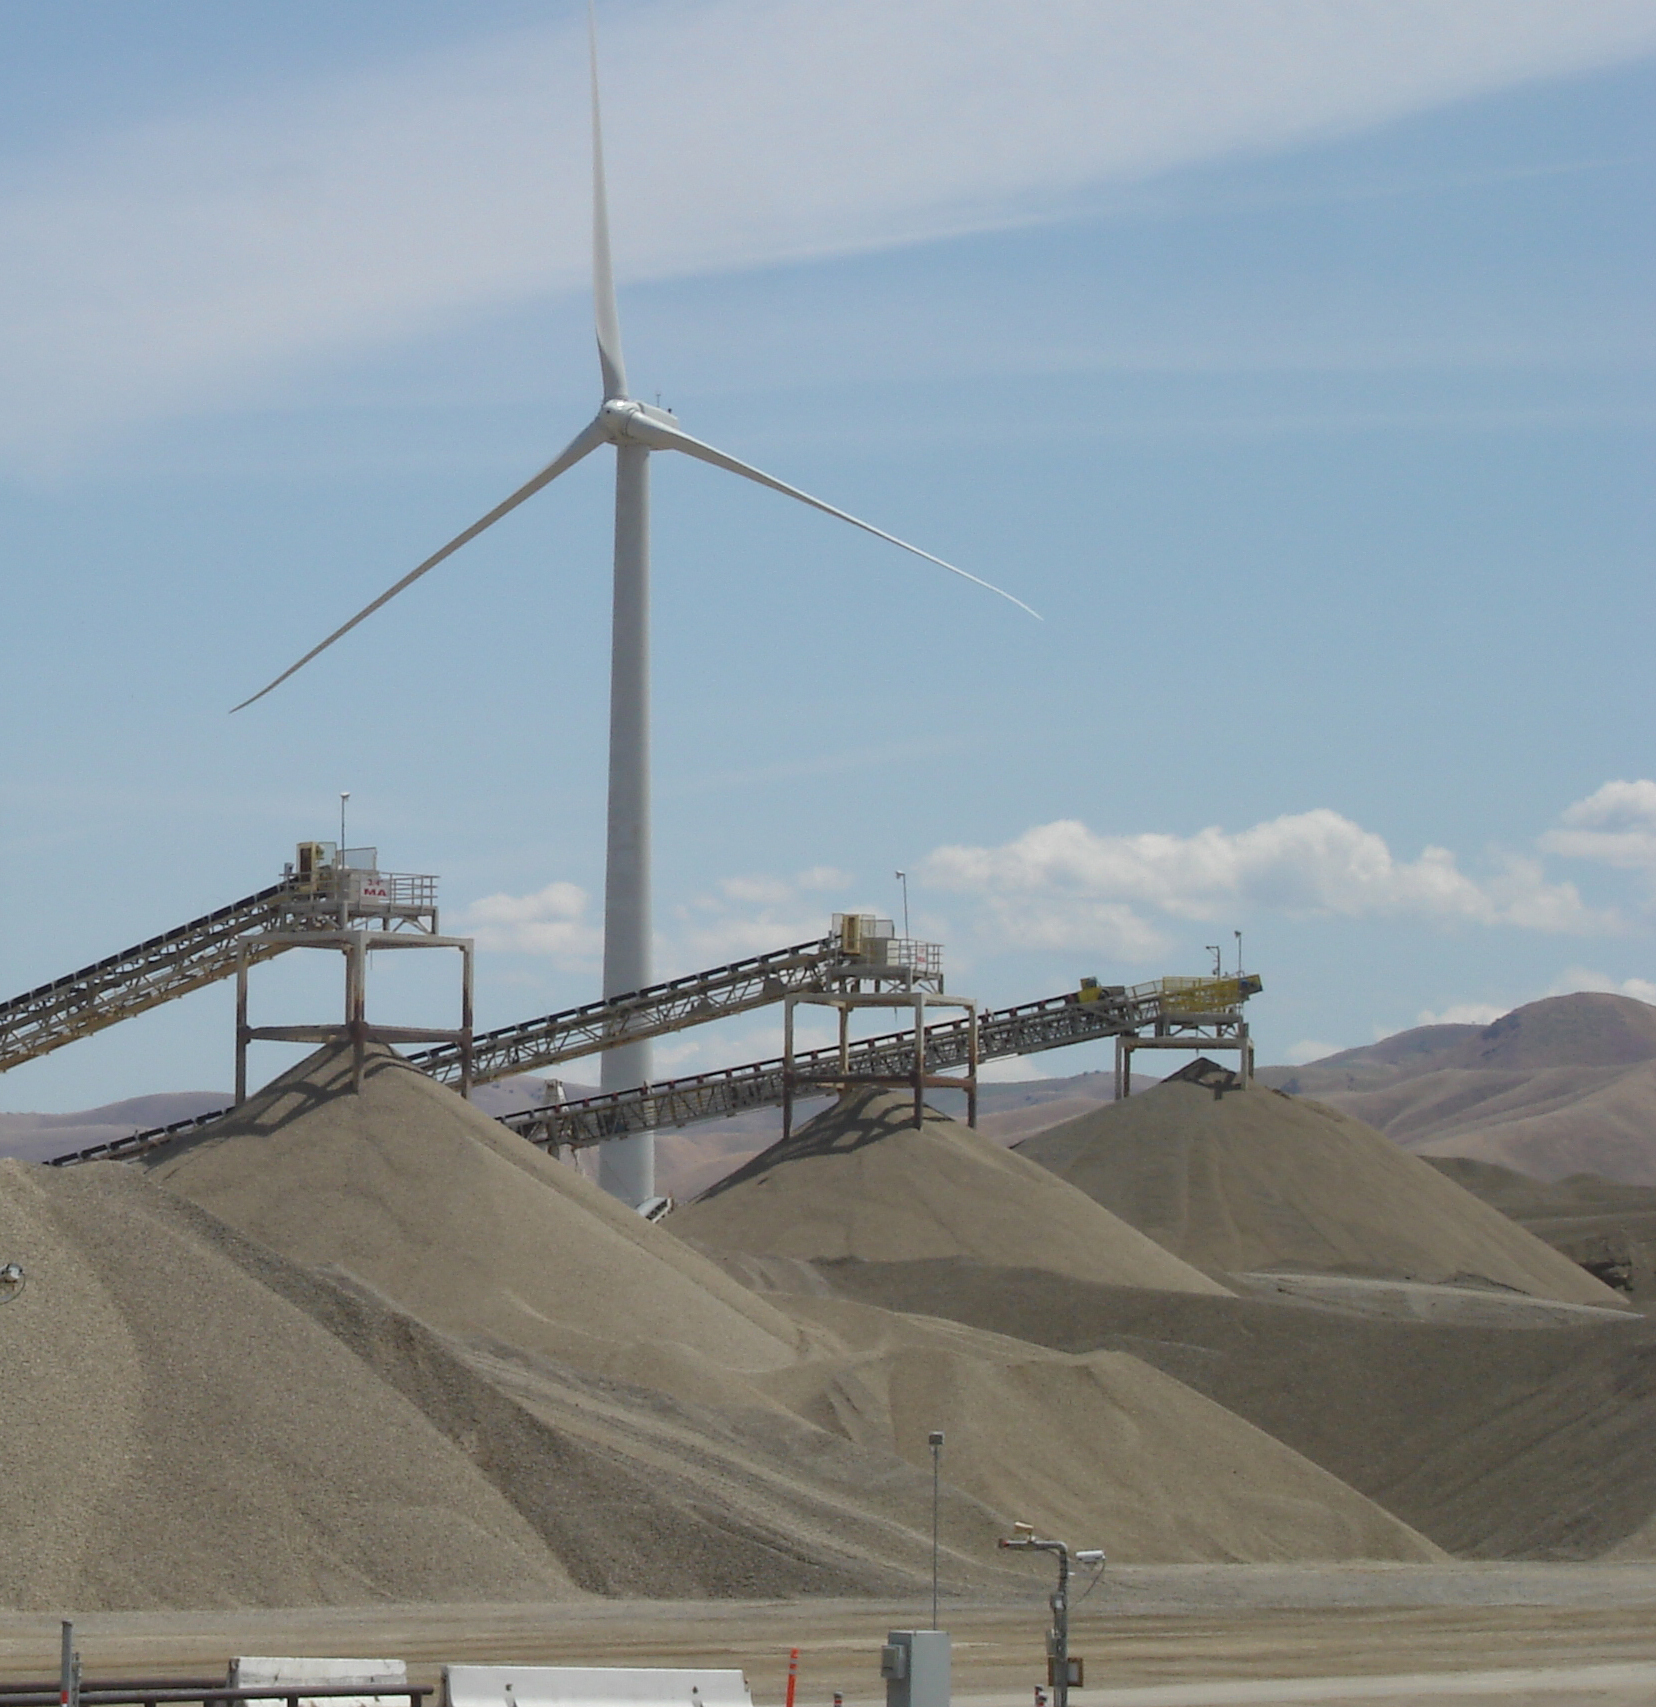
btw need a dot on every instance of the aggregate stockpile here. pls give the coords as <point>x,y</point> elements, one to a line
<point>1239,1181</point>
<point>177,1431</point>
<point>861,1181</point>
<point>774,1445</point>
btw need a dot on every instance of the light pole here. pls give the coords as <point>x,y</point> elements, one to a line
<point>1238,936</point>
<point>902,877</point>
<point>344,795</point>
<point>935,1441</point>
<point>1058,1635</point>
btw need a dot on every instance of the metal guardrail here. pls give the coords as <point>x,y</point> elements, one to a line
<point>211,1693</point>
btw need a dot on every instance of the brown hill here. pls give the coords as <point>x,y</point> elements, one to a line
<point>39,1137</point>
<point>860,1180</point>
<point>1258,1180</point>
<point>1561,1086</point>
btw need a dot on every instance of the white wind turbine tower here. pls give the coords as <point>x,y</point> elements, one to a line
<point>626,1165</point>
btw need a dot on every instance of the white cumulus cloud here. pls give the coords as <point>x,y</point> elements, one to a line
<point>1062,883</point>
<point>1581,978</point>
<point>1462,1013</point>
<point>1307,1050</point>
<point>184,263</point>
<point>552,921</point>
<point>1615,825</point>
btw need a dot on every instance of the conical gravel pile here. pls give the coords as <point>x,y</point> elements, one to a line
<point>175,1433</point>
<point>861,1181</point>
<point>441,1210</point>
<point>1238,1181</point>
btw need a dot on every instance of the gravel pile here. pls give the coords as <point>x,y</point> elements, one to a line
<point>1257,1180</point>
<point>861,1181</point>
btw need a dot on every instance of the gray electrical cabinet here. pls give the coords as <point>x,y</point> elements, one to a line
<point>915,1666</point>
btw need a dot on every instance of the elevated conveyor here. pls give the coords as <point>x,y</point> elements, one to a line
<point>1192,1009</point>
<point>325,889</point>
<point>697,999</point>
<point>139,978</point>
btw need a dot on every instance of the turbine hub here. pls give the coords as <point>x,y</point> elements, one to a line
<point>624,420</point>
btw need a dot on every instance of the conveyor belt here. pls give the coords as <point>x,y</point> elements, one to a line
<point>1026,1030</point>
<point>696,999</point>
<point>136,979</point>
<point>1166,1005</point>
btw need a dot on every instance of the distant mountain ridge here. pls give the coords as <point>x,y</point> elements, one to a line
<point>1562,1086</point>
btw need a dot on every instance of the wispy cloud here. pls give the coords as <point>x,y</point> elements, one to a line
<point>754,913</point>
<point>179,265</point>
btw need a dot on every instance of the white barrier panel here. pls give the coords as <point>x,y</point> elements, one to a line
<point>255,1671</point>
<point>592,1686</point>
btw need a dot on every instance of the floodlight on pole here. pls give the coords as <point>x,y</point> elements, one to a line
<point>902,877</point>
<point>1058,1654</point>
<point>344,795</point>
<point>626,1165</point>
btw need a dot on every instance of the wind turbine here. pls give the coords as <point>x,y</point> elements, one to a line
<point>626,1165</point>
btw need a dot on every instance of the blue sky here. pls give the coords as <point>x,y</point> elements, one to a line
<point>1292,360</point>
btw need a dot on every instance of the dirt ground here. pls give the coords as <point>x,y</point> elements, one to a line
<point>1161,1636</point>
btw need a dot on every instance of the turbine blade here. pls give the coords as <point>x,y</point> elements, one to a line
<point>661,437</point>
<point>603,272</point>
<point>582,445</point>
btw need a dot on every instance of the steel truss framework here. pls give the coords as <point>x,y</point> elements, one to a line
<point>1025,1030</point>
<point>137,979</point>
<point>736,988</point>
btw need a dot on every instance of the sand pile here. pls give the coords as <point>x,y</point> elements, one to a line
<point>1607,1227</point>
<point>191,1420</point>
<point>861,1181</point>
<point>1102,1449</point>
<point>1495,1443</point>
<point>459,1222</point>
<point>763,1442</point>
<point>177,1434</point>
<point>1257,1180</point>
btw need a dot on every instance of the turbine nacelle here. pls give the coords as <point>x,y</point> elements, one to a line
<point>624,420</point>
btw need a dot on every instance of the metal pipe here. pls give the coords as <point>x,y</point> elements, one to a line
<point>935,1441</point>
